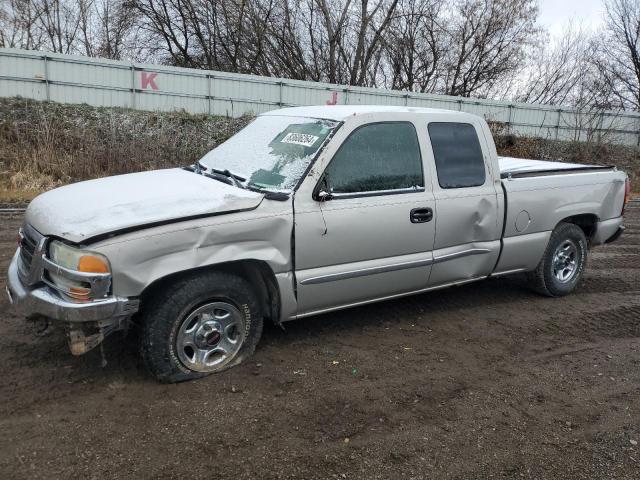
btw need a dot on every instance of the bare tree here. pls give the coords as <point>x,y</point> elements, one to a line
<point>557,71</point>
<point>360,53</point>
<point>107,29</point>
<point>458,47</point>
<point>227,35</point>
<point>103,28</point>
<point>339,41</point>
<point>488,42</point>
<point>60,23</point>
<point>618,53</point>
<point>333,20</point>
<point>414,46</point>
<point>18,25</point>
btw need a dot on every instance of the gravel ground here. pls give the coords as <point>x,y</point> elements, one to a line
<point>486,380</point>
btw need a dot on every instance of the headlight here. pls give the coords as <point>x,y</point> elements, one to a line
<point>78,260</point>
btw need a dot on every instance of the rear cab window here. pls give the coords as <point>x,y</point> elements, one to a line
<point>458,155</point>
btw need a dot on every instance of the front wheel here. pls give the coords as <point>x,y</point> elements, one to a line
<point>199,325</point>
<point>563,262</point>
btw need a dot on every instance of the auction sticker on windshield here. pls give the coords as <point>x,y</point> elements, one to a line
<point>299,139</point>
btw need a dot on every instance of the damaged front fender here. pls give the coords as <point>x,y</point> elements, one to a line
<point>141,258</point>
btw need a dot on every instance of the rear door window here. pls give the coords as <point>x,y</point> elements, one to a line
<point>458,155</point>
<point>377,157</point>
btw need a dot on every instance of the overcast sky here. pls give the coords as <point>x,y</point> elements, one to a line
<point>554,14</point>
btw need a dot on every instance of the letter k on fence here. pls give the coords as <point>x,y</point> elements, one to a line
<point>148,80</point>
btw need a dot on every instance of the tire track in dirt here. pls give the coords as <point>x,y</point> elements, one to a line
<point>629,260</point>
<point>617,322</point>
<point>600,281</point>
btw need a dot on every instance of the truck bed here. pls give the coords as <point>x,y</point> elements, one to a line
<point>518,167</point>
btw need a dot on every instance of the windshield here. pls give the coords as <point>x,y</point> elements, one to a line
<point>272,152</point>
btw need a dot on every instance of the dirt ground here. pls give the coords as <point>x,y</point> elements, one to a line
<point>487,380</point>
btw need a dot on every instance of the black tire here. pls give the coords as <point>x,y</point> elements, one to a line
<point>164,312</point>
<point>543,278</point>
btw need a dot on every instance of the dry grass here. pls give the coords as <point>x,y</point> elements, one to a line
<point>44,145</point>
<point>17,196</point>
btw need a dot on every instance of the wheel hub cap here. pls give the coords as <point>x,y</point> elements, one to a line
<point>565,263</point>
<point>213,339</point>
<point>210,336</point>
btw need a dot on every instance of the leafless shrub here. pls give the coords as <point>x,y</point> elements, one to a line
<point>626,158</point>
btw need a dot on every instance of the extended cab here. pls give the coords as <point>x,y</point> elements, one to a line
<point>304,211</point>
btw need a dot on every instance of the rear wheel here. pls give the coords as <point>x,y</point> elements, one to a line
<point>563,262</point>
<point>199,325</point>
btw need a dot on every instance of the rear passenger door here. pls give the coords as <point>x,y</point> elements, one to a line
<point>467,242</point>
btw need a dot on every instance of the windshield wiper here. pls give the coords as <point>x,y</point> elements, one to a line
<point>225,176</point>
<point>234,178</point>
<point>197,168</point>
<point>268,194</point>
<point>227,173</point>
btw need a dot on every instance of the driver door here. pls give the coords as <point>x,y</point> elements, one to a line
<point>373,238</point>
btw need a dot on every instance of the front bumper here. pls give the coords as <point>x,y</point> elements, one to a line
<point>42,300</point>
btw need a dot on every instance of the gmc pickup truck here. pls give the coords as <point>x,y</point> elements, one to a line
<point>304,211</point>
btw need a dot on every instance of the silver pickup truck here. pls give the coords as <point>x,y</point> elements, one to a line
<point>304,211</point>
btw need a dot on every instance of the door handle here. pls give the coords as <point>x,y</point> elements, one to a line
<point>421,215</point>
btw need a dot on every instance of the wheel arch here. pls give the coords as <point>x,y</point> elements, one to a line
<point>257,272</point>
<point>588,223</point>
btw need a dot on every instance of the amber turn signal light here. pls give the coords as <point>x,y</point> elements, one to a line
<point>91,264</point>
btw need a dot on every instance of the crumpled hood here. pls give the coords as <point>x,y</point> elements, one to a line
<point>99,207</point>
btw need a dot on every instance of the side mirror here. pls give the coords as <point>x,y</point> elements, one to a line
<point>322,192</point>
<point>323,196</point>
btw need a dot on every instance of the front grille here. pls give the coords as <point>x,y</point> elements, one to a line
<point>27,249</point>
<point>30,265</point>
